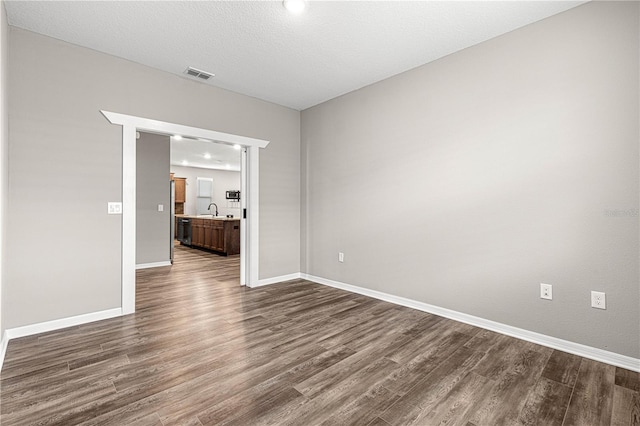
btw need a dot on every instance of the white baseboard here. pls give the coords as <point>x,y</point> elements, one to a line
<point>3,348</point>
<point>43,327</point>
<point>589,352</point>
<point>584,351</point>
<point>28,330</point>
<point>153,265</point>
<point>274,280</point>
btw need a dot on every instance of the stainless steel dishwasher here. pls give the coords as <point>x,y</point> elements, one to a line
<point>184,231</point>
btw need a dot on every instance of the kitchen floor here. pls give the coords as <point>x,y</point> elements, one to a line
<point>202,350</point>
<point>227,266</point>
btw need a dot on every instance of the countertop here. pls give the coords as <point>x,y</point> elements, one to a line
<point>209,217</point>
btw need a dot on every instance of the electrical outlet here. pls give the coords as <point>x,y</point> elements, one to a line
<point>546,291</point>
<point>598,300</point>
<point>340,257</point>
<point>160,207</point>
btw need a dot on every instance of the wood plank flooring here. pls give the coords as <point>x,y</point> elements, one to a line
<point>201,350</point>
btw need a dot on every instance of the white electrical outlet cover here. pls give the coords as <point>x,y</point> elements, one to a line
<point>546,291</point>
<point>598,300</point>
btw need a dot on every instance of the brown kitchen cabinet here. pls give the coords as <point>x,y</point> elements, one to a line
<point>214,235</point>
<point>181,189</point>
<point>219,235</point>
<point>196,238</point>
<point>231,238</point>
<point>197,232</point>
<point>180,193</point>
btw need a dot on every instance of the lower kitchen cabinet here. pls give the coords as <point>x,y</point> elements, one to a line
<point>197,232</point>
<point>214,235</point>
<point>221,236</point>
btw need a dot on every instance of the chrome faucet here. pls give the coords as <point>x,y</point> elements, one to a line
<point>213,204</point>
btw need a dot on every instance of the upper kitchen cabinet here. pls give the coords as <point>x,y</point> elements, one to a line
<point>180,193</point>
<point>181,189</point>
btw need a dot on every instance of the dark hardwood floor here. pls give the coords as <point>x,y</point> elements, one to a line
<point>201,350</point>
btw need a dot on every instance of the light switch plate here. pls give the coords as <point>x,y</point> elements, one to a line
<point>114,207</point>
<point>160,207</point>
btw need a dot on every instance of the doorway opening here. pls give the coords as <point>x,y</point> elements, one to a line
<point>207,202</point>
<point>249,223</point>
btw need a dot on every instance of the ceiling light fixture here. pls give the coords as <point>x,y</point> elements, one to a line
<point>185,163</point>
<point>237,147</point>
<point>294,6</point>
<point>177,137</point>
<point>207,156</point>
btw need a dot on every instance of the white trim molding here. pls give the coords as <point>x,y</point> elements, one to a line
<point>252,222</point>
<point>128,252</point>
<point>275,280</point>
<point>4,343</point>
<point>584,351</point>
<point>148,124</point>
<point>132,124</point>
<point>153,265</point>
<point>43,327</point>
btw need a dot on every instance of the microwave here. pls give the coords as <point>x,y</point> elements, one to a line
<point>233,195</point>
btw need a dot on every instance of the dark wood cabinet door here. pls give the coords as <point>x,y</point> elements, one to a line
<point>232,237</point>
<point>197,233</point>
<point>208,236</point>
<point>217,236</point>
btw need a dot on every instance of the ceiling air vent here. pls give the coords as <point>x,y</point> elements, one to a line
<point>194,72</point>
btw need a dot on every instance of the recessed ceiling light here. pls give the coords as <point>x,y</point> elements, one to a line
<point>294,6</point>
<point>177,137</point>
<point>237,147</point>
<point>185,162</point>
<point>207,156</point>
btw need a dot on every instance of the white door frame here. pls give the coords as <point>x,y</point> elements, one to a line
<point>130,125</point>
<point>244,237</point>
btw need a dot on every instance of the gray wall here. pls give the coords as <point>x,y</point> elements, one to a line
<point>66,164</point>
<point>223,180</point>
<point>510,163</point>
<point>4,141</point>
<point>153,234</point>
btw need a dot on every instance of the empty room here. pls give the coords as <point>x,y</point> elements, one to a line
<point>310,212</point>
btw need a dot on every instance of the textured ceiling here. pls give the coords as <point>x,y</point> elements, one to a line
<point>259,49</point>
